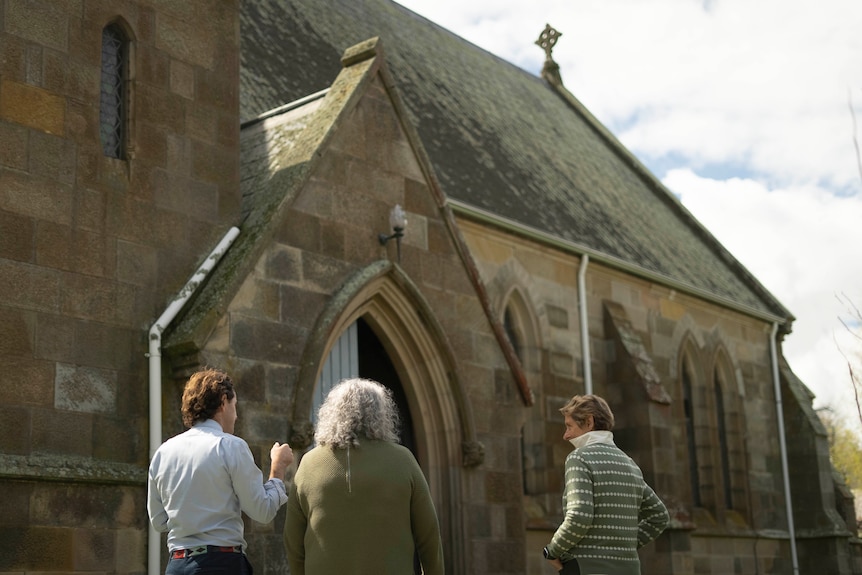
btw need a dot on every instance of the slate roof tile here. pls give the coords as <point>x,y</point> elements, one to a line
<point>500,140</point>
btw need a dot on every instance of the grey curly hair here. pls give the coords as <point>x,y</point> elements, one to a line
<point>357,408</point>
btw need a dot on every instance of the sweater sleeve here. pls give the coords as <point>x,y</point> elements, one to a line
<point>579,510</point>
<point>295,524</point>
<point>426,529</point>
<point>652,517</point>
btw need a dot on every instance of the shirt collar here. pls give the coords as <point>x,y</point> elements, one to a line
<point>209,424</point>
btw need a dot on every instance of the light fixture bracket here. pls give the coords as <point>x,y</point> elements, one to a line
<point>398,221</point>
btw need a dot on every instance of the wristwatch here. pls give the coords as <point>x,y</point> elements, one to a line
<point>547,554</point>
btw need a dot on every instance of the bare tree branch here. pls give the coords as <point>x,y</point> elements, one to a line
<point>855,138</point>
<point>849,303</point>
<point>854,311</point>
<point>854,381</point>
<point>855,390</point>
<point>850,330</point>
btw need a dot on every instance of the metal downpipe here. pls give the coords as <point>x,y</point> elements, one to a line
<point>785,471</point>
<point>155,365</point>
<point>585,330</point>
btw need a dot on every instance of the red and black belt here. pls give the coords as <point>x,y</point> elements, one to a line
<point>200,550</point>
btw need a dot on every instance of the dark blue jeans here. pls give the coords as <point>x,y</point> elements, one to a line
<point>210,564</point>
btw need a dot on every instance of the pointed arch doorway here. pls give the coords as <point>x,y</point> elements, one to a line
<point>400,341</point>
<point>359,353</point>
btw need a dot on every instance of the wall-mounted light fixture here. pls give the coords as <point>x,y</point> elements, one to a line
<point>397,221</point>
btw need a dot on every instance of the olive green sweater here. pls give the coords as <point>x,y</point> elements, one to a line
<point>610,511</point>
<point>361,511</point>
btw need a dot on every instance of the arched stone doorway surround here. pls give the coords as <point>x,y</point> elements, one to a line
<point>384,297</point>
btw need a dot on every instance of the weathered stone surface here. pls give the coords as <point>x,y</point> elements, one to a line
<point>32,107</point>
<point>85,389</point>
<point>40,21</point>
<point>25,549</point>
<point>154,68</point>
<point>182,79</point>
<point>37,197</point>
<point>15,440</point>
<point>30,287</point>
<point>62,432</point>
<point>93,248</point>
<point>88,297</point>
<point>86,256</point>
<point>16,332</point>
<point>13,145</point>
<point>266,340</point>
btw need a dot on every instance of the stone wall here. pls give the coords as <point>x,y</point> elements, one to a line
<point>642,337</point>
<point>91,250</point>
<point>325,264</point>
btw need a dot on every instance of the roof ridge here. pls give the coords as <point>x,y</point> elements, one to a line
<point>664,194</point>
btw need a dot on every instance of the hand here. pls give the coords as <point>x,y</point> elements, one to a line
<point>556,564</point>
<point>282,457</point>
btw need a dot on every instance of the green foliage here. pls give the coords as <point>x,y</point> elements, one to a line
<point>845,450</point>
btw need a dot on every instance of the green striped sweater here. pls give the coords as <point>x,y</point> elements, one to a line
<point>610,511</point>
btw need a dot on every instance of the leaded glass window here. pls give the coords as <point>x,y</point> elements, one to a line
<point>113,97</point>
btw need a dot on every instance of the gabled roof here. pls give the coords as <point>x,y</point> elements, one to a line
<point>506,145</point>
<point>279,153</point>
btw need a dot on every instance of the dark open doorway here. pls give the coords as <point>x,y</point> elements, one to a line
<point>374,363</point>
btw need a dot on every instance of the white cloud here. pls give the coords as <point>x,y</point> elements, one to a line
<point>802,243</point>
<point>734,81</point>
<point>753,90</point>
<point>764,80</point>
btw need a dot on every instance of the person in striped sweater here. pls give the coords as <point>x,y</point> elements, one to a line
<point>610,511</point>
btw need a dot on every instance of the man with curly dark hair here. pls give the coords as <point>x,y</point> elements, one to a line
<point>201,481</point>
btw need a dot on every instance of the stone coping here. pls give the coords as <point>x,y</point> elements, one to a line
<point>66,468</point>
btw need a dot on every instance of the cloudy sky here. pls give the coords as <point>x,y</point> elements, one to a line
<point>743,109</point>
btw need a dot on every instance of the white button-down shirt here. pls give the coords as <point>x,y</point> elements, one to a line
<point>200,480</point>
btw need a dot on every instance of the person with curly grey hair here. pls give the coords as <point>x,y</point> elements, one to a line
<point>359,502</point>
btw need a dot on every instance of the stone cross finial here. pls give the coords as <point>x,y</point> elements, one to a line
<point>547,39</point>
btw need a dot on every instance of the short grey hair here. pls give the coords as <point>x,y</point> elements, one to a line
<point>357,408</point>
<point>580,407</point>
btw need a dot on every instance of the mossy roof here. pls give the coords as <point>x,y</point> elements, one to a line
<point>500,140</point>
<point>277,156</point>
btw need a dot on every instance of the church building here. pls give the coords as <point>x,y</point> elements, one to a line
<point>298,191</point>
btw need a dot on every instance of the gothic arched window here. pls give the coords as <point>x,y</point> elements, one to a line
<point>512,332</point>
<point>519,323</point>
<point>689,411</point>
<point>721,419</point>
<point>113,101</point>
<point>730,430</point>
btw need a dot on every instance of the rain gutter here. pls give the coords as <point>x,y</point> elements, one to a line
<point>545,238</point>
